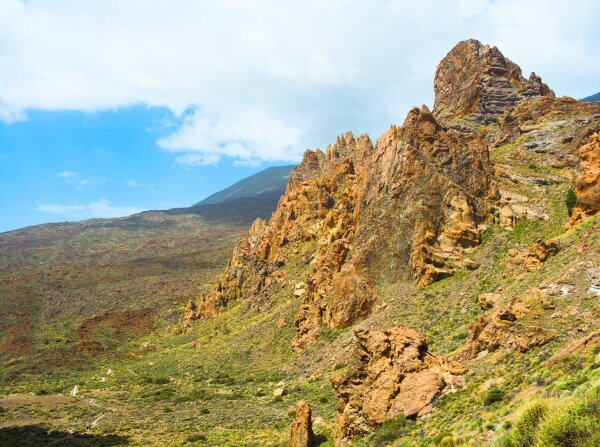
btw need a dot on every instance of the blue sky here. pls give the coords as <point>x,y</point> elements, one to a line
<point>112,106</point>
<point>58,166</point>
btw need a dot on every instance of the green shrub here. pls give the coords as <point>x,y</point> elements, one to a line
<point>571,422</point>
<point>574,424</point>
<point>155,380</point>
<point>523,432</point>
<point>388,431</point>
<point>494,394</point>
<point>570,200</point>
<point>436,439</point>
<point>196,438</point>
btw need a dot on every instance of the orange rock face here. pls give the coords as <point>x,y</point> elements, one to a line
<point>478,82</point>
<point>587,181</point>
<point>392,374</point>
<point>410,207</point>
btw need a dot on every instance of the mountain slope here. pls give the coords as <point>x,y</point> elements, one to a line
<point>270,182</point>
<point>123,274</point>
<point>360,218</point>
<point>592,98</point>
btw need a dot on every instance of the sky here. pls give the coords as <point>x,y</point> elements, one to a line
<point>110,107</point>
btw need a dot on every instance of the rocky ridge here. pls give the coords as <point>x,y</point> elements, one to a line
<point>413,207</point>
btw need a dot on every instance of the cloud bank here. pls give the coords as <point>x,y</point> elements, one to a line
<point>264,80</point>
<point>100,209</point>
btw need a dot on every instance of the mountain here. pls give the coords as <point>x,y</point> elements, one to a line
<point>269,183</point>
<point>121,274</point>
<point>436,287</point>
<point>592,98</point>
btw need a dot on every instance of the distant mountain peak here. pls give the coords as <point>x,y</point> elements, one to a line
<point>591,98</point>
<point>268,182</point>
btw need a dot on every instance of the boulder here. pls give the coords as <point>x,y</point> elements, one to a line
<point>278,392</point>
<point>489,300</point>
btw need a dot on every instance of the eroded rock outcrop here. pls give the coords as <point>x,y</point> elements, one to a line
<point>429,190</point>
<point>587,181</point>
<point>392,374</point>
<point>575,347</point>
<point>534,256</point>
<point>476,81</point>
<point>555,128</point>
<point>499,329</point>
<point>410,207</point>
<point>302,434</point>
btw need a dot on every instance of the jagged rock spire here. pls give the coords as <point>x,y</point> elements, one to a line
<point>476,81</point>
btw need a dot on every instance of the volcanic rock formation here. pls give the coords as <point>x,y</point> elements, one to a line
<point>301,429</point>
<point>392,375</point>
<point>477,82</point>
<point>412,206</point>
<point>587,181</point>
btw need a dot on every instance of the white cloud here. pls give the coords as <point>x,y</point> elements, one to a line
<point>244,135</point>
<point>100,209</point>
<point>66,174</point>
<point>133,184</point>
<point>266,79</point>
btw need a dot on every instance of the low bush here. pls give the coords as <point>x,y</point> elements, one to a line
<point>387,432</point>
<point>571,422</point>
<point>570,200</point>
<point>494,394</point>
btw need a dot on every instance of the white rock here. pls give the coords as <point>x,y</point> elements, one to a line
<point>278,392</point>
